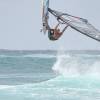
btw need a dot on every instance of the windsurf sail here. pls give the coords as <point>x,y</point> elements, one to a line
<point>79,24</point>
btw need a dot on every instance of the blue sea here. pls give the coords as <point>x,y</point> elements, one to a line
<point>49,75</point>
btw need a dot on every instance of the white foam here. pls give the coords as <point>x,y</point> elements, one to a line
<point>40,55</point>
<point>31,55</point>
<point>6,87</point>
<point>69,65</point>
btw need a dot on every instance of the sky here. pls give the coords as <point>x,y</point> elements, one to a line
<point>20,25</point>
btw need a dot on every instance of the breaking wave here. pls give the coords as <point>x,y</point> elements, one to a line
<point>77,65</point>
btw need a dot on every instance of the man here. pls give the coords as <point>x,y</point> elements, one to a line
<point>55,34</point>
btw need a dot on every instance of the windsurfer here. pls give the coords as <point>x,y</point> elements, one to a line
<point>55,34</point>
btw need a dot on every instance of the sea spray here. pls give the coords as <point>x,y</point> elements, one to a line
<point>72,65</point>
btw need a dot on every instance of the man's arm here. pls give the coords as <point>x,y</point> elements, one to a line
<point>56,26</point>
<point>64,29</point>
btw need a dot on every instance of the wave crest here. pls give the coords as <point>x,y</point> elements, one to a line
<point>77,65</point>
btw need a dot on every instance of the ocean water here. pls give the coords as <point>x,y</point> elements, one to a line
<point>49,75</point>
